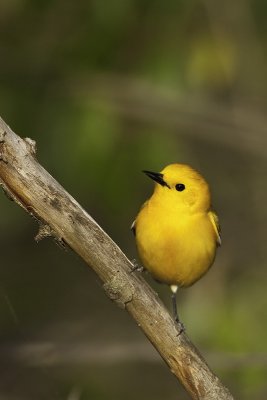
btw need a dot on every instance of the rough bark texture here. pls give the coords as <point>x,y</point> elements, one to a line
<point>60,216</point>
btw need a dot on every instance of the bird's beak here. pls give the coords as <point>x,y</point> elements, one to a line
<point>157,177</point>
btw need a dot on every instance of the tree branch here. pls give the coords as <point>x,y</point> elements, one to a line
<point>60,216</point>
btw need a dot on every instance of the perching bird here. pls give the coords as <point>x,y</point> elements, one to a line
<point>176,231</point>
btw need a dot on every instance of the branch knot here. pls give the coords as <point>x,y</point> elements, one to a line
<point>119,290</point>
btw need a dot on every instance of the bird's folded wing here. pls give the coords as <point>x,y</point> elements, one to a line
<point>216,225</point>
<point>133,227</point>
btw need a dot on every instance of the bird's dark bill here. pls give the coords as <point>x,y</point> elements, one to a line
<point>157,177</point>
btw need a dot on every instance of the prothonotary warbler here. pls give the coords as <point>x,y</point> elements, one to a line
<point>176,231</point>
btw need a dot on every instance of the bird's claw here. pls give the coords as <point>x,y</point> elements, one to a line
<point>136,266</point>
<point>179,326</point>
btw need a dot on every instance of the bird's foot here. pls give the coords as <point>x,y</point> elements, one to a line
<point>136,266</point>
<point>179,326</point>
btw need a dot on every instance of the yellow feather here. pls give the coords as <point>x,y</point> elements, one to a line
<point>176,232</point>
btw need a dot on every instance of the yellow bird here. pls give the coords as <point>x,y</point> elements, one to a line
<point>176,231</point>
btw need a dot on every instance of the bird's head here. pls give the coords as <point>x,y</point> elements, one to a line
<point>180,185</point>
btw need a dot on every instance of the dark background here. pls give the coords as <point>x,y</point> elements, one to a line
<point>108,88</point>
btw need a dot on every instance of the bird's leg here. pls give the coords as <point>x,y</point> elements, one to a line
<point>180,325</point>
<point>174,290</point>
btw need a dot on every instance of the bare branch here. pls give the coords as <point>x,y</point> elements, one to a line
<point>61,217</point>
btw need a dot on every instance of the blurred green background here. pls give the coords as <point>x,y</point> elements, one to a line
<point>108,88</point>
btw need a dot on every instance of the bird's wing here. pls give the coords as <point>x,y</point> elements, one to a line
<point>133,228</point>
<point>216,225</point>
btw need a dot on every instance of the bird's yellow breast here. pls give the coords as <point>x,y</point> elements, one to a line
<point>175,246</point>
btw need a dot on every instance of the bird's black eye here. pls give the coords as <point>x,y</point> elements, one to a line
<point>180,187</point>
